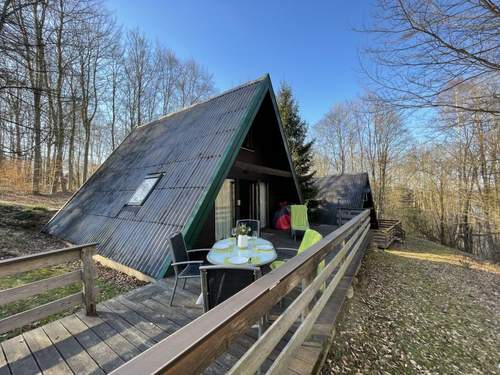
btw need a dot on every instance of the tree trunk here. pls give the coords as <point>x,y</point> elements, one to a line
<point>86,151</point>
<point>441,212</point>
<point>59,125</point>
<point>71,147</point>
<point>37,156</point>
<point>113,115</point>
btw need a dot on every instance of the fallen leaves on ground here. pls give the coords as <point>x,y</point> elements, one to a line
<point>420,309</point>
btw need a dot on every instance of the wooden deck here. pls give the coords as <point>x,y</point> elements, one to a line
<point>131,323</point>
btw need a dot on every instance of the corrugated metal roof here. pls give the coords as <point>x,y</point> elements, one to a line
<point>188,147</point>
<point>347,190</point>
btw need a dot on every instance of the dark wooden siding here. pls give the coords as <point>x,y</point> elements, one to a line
<point>343,191</point>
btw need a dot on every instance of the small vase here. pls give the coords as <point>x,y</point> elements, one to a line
<point>242,241</point>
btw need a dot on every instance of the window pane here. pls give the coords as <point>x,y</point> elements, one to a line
<point>224,210</point>
<point>143,190</point>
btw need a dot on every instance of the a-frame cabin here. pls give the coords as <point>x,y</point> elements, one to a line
<point>195,171</point>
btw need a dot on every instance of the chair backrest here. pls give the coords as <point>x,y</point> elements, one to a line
<point>178,248</point>
<point>252,223</point>
<point>218,283</point>
<point>310,238</point>
<point>299,220</point>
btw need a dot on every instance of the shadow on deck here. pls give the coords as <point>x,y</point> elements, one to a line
<point>132,323</point>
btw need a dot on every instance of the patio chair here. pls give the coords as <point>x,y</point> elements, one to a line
<point>310,238</point>
<point>184,263</point>
<point>218,283</point>
<point>252,223</point>
<point>298,220</point>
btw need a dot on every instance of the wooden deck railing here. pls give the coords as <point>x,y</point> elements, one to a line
<point>192,348</point>
<point>86,275</point>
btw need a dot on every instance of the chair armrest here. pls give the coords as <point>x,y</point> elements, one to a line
<point>187,262</point>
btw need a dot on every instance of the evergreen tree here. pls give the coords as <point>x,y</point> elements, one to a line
<point>295,132</point>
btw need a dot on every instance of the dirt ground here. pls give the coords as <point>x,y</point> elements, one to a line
<point>20,230</point>
<point>22,218</point>
<point>420,309</point>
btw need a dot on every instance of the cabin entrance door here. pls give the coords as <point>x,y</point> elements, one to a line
<point>253,201</point>
<point>224,210</point>
<point>263,202</point>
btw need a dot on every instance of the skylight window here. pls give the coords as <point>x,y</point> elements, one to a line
<point>144,189</point>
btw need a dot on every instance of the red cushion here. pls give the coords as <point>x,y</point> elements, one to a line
<point>283,222</point>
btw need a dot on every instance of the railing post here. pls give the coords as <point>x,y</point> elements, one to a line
<point>304,284</point>
<point>88,278</point>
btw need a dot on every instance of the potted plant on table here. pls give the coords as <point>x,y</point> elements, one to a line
<point>242,231</point>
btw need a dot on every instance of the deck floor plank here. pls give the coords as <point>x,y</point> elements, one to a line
<point>19,356</point>
<point>104,356</point>
<point>73,353</point>
<point>48,358</point>
<point>166,320</point>
<point>4,366</point>
<point>177,315</point>
<point>114,339</point>
<point>127,330</point>
<point>149,329</point>
<point>186,315</point>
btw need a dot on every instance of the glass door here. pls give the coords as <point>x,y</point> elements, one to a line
<point>224,210</point>
<point>259,202</point>
<point>263,203</point>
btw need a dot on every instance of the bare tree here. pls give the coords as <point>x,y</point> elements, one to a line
<point>33,59</point>
<point>139,73</point>
<point>363,136</point>
<point>169,68</point>
<point>424,49</point>
<point>194,84</point>
<point>72,87</point>
<point>334,134</point>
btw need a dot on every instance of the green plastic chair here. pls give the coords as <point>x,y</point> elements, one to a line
<point>310,238</point>
<point>299,220</point>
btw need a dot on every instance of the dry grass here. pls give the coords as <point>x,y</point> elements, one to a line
<point>48,201</point>
<point>15,175</point>
<point>421,309</point>
<point>16,187</point>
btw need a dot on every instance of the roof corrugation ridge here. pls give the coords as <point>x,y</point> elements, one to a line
<point>227,92</point>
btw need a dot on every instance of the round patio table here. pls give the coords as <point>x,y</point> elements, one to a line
<point>224,251</point>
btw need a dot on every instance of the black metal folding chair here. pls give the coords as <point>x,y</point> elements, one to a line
<point>184,262</point>
<point>218,283</point>
<point>252,223</point>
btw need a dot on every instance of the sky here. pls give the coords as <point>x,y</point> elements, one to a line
<point>310,44</point>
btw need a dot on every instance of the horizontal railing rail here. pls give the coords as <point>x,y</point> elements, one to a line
<point>255,356</point>
<point>195,346</point>
<point>85,275</point>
